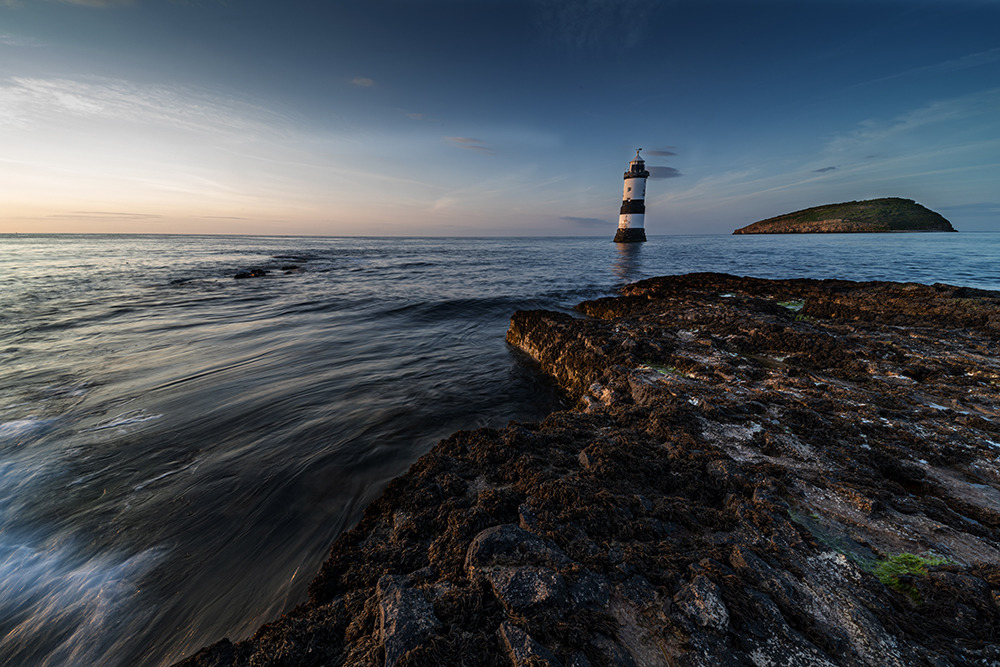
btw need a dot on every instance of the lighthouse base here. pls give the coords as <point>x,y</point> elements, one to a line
<point>630,235</point>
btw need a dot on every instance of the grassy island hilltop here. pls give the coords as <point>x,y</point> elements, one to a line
<point>890,214</point>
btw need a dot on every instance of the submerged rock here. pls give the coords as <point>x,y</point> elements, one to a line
<point>758,472</point>
<point>251,273</point>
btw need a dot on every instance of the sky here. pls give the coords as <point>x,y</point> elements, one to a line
<point>489,118</point>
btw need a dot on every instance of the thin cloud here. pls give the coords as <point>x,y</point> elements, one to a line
<point>824,170</point>
<point>362,82</point>
<point>584,222</point>
<point>981,208</point>
<point>660,153</point>
<point>416,116</point>
<point>443,203</point>
<point>472,144</point>
<point>974,109</point>
<point>99,4</point>
<point>946,67</point>
<point>26,102</point>
<point>90,215</point>
<point>11,40</point>
<point>663,172</point>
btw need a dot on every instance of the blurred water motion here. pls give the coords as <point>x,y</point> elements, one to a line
<point>178,449</point>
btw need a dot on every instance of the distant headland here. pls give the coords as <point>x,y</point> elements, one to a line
<point>890,214</point>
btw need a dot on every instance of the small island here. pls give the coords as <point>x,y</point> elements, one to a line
<point>890,214</point>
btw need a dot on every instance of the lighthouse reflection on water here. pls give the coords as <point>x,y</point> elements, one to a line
<point>627,263</point>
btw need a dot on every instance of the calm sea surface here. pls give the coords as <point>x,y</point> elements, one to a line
<point>178,449</point>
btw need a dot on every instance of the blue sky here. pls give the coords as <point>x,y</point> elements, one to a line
<point>475,117</point>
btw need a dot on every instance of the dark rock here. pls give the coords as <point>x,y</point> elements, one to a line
<point>638,590</point>
<point>220,654</point>
<point>610,652</point>
<point>528,520</point>
<point>510,545</point>
<point>647,504</point>
<point>701,600</point>
<point>251,273</point>
<point>773,642</point>
<point>779,584</point>
<point>406,618</point>
<point>424,574</point>
<point>590,590</point>
<point>522,650</point>
<point>523,590</point>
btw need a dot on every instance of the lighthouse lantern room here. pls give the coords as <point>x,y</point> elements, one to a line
<point>630,221</point>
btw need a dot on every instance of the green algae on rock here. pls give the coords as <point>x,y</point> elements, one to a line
<point>891,214</point>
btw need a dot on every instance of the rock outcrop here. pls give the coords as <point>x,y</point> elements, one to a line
<point>890,214</point>
<point>757,473</point>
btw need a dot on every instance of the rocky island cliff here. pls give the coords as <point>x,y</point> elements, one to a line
<point>891,214</point>
<point>756,472</point>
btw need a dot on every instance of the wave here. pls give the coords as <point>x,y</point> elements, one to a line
<point>461,308</point>
<point>126,419</point>
<point>17,430</point>
<point>296,258</point>
<point>58,608</point>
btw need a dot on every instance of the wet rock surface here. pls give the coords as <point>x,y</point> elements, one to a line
<point>757,473</point>
<point>406,619</point>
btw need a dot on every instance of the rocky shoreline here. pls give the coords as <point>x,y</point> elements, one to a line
<point>758,472</point>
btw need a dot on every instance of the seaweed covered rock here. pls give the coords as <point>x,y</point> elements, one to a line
<point>756,472</point>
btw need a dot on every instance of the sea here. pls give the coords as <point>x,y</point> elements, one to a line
<point>179,448</point>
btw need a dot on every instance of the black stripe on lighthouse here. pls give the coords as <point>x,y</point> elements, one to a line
<point>633,206</point>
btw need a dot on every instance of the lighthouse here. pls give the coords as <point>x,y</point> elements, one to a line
<point>630,229</point>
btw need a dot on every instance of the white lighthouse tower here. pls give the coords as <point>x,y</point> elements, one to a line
<point>630,229</point>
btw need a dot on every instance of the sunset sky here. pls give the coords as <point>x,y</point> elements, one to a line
<point>483,117</point>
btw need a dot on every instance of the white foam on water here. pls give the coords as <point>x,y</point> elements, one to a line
<point>143,485</point>
<point>59,605</point>
<point>17,430</point>
<point>126,419</point>
<point>82,603</point>
<point>67,390</point>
